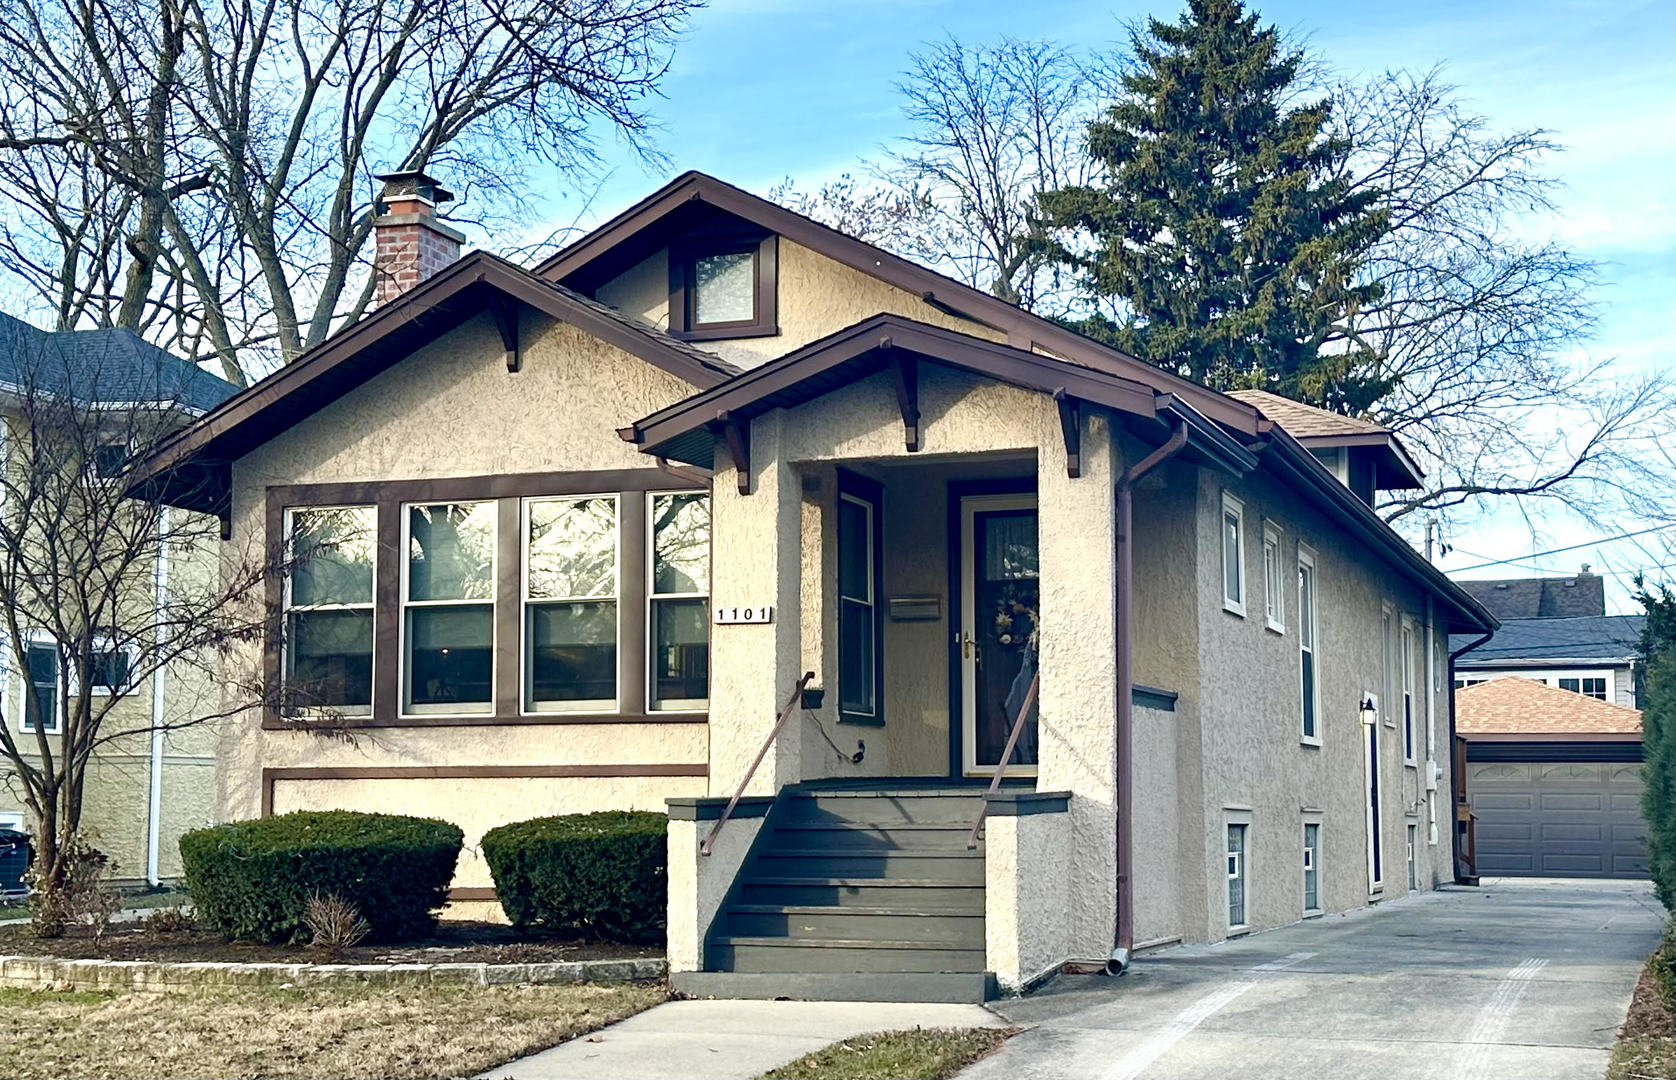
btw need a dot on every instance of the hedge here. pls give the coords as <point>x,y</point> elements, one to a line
<point>603,876</point>
<point>1658,731</point>
<point>250,880</point>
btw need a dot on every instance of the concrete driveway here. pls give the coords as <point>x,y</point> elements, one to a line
<point>1516,979</point>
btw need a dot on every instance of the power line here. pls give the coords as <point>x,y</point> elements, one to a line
<point>1563,550</point>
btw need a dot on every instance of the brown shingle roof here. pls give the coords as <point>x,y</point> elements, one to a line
<point>1304,421</point>
<point>1514,705</point>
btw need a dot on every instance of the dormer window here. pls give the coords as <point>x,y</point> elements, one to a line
<point>723,288</point>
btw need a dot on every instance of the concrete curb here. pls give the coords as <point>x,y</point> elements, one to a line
<point>49,972</point>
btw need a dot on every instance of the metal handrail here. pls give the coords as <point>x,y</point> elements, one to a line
<point>1006,756</point>
<point>762,752</point>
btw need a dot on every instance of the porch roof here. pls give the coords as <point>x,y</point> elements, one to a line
<point>689,430</point>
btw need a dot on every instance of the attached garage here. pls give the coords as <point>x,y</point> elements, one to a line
<point>1553,781</point>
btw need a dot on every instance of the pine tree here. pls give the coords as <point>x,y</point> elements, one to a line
<point>1658,737</point>
<point>1223,224</point>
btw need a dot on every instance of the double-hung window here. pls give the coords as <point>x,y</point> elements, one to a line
<point>1312,867</point>
<point>1236,875</point>
<point>44,675</point>
<point>328,602</point>
<point>570,604</point>
<point>1407,675</point>
<point>1274,589</point>
<point>1233,554</point>
<point>448,608</point>
<point>1588,687</point>
<point>679,597</point>
<point>1308,658</point>
<point>858,613</point>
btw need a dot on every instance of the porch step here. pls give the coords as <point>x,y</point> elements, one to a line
<point>870,836</point>
<point>963,987</point>
<point>950,867</point>
<point>928,926</point>
<point>893,894</point>
<point>783,954</point>
<point>884,808</point>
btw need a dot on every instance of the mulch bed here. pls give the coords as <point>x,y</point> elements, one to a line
<point>452,943</point>
<point>1649,1017</point>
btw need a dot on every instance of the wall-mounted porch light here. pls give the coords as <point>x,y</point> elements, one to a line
<point>1369,709</point>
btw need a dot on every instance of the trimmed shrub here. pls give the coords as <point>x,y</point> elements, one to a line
<point>603,876</point>
<point>252,880</point>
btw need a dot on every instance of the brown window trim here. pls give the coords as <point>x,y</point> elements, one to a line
<point>872,493</point>
<point>764,321</point>
<point>388,496</point>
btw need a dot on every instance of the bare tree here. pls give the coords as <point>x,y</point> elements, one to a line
<point>85,617</point>
<point>231,144</point>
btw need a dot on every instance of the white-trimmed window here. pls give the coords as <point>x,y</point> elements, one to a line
<point>1309,673</point>
<point>1233,555</point>
<point>1462,684</point>
<point>1388,660</point>
<point>110,667</point>
<point>448,608</point>
<point>1413,862</point>
<point>1312,867</point>
<point>1274,588</point>
<point>1588,685</point>
<point>1237,877</point>
<point>43,678</point>
<point>678,599</point>
<point>570,603</point>
<point>1407,673</point>
<point>328,604</point>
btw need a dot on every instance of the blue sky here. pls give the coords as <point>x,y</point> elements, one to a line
<point>765,89</point>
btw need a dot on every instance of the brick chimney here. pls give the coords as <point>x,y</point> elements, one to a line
<point>409,243</point>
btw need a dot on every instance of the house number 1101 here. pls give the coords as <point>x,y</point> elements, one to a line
<point>728,616</point>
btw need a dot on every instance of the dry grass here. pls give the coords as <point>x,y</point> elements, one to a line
<point>1646,1047</point>
<point>399,1033</point>
<point>916,1054</point>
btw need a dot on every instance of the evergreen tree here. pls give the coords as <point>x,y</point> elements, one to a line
<point>1224,224</point>
<point>1658,737</point>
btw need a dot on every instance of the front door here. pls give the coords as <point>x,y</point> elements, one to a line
<point>996,645</point>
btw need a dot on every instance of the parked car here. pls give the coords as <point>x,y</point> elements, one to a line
<point>15,854</point>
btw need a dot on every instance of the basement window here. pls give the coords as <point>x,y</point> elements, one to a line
<point>723,288</point>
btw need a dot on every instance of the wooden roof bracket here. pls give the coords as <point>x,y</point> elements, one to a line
<point>505,311</point>
<point>1070,426</point>
<point>904,368</point>
<point>736,436</point>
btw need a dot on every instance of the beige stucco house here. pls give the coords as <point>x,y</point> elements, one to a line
<point>153,776</point>
<point>584,534</point>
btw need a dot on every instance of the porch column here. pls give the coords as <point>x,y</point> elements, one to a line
<point>756,547</point>
<point>1078,708</point>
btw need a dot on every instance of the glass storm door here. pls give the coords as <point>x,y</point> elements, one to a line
<point>996,646</point>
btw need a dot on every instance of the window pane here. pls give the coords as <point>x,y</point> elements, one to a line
<point>1309,693</point>
<point>1231,557</point>
<point>329,654</point>
<point>1270,587</point>
<point>43,678</point>
<point>855,657</point>
<point>724,288</point>
<point>680,653</point>
<point>108,670</point>
<point>332,555</point>
<point>1306,606</point>
<point>1312,865</point>
<point>451,551</point>
<point>681,543</point>
<point>572,547</point>
<point>572,652</point>
<point>1236,875</point>
<point>450,657</point>
<point>855,550</point>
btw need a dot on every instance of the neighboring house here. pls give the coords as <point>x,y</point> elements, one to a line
<point>1555,780</point>
<point>569,539</point>
<point>142,791</point>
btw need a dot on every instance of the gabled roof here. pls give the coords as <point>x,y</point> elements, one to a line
<point>105,366</point>
<point>1605,639</point>
<point>644,227</point>
<point>1513,705</point>
<point>193,466</point>
<point>1319,429</point>
<point>1542,598</point>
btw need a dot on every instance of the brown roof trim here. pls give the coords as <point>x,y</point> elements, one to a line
<point>1399,458</point>
<point>941,292</point>
<point>353,355</point>
<point>777,383</point>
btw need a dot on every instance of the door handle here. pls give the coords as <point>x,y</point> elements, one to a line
<point>969,649</point>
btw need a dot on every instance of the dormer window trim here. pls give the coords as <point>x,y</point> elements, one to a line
<point>684,257</point>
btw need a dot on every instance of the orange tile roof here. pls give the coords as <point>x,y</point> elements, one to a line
<point>1305,421</point>
<point>1514,705</point>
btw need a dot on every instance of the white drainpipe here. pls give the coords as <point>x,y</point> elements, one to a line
<point>154,809</point>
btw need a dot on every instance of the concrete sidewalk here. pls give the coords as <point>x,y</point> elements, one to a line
<point>726,1040</point>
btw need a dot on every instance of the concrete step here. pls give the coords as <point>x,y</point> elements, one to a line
<point>968,987</point>
<point>929,927</point>
<point>858,836</point>
<point>896,894</point>
<point>883,808</point>
<point>728,952</point>
<point>950,867</point>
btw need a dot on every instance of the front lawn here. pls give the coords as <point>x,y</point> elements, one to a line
<point>916,1054</point>
<point>393,1033</point>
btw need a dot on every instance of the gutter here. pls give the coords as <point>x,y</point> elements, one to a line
<point>1123,933</point>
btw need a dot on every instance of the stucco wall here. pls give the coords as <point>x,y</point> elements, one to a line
<point>452,409</point>
<point>1027,896</point>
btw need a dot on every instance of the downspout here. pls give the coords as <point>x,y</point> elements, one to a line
<point>154,807</point>
<point>1454,825</point>
<point>1123,938</point>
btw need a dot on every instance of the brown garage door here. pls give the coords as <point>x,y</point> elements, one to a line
<point>1559,818</point>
